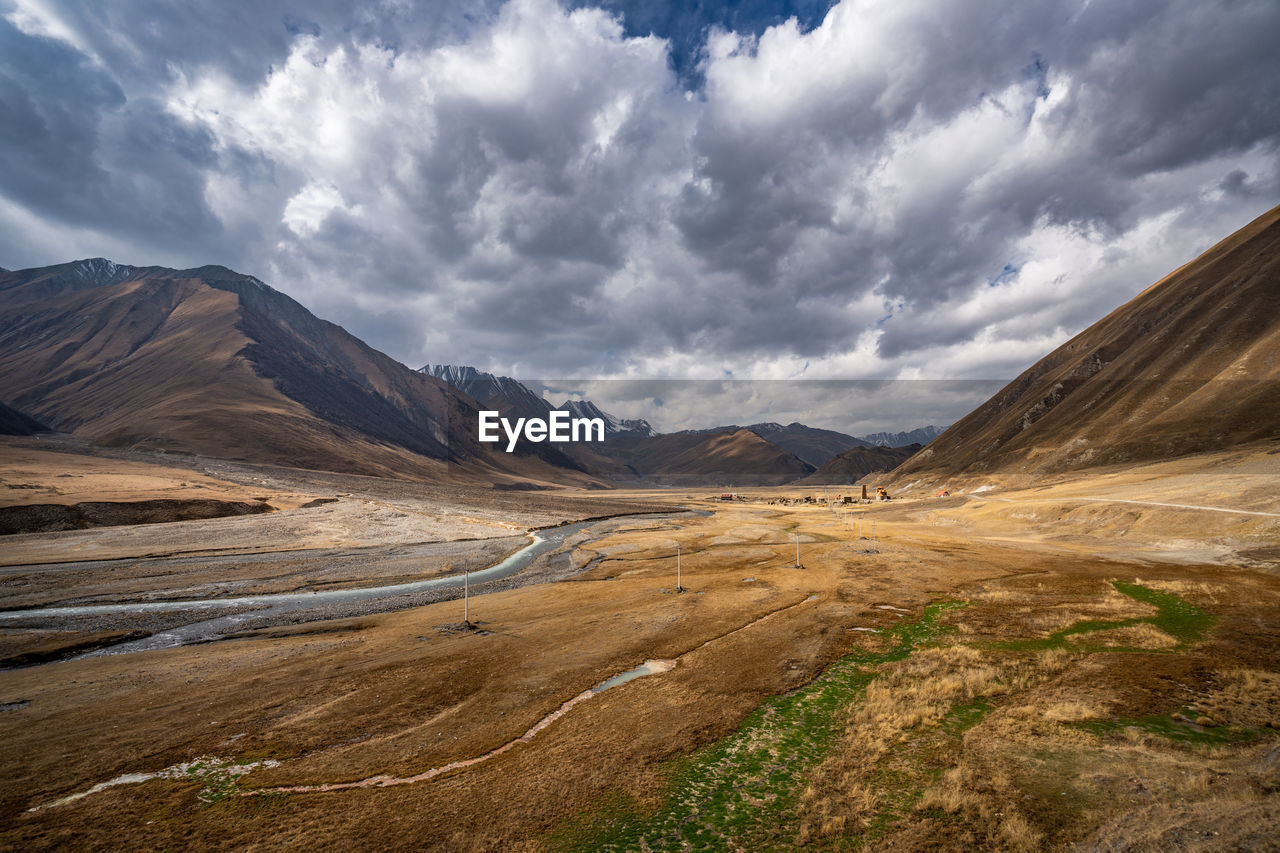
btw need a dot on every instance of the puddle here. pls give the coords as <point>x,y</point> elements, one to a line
<point>649,667</point>
<point>217,774</point>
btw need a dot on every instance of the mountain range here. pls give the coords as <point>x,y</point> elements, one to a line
<point>633,452</point>
<point>922,435</point>
<point>512,398</point>
<point>212,362</point>
<point>208,361</point>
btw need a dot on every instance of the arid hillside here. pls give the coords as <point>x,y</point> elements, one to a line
<point>1190,365</point>
<point>216,363</point>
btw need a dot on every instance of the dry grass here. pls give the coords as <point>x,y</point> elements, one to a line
<point>1245,697</point>
<point>908,768</point>
<point>908,696</point>
<point>1068,711</point>
<point>1192,590</point>
<point>959,792</point>
<point>1040,611</point>
<point>1141,636</point>
<point>1026,777</point>
<point>1215,824</point>
<point>1110,606</point>
<point>999,596</point>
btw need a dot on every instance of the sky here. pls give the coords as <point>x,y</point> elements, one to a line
<point>647,190</point>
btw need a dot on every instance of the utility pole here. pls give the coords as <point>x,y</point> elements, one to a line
<point>679,588</point>
<point>466,589</point>
<point>797,535</point>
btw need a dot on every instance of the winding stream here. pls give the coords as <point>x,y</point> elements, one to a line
<point>273,604</point>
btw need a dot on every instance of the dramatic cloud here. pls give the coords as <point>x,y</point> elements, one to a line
<point>874,190</point>
<point>854,407</point>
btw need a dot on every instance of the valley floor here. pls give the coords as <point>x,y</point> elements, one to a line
<point>965,679</point>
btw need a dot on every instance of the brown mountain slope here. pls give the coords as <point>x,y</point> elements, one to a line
<point>1191,364</point>
<point>856,463</point>
<point>687,459</point>
<point>213,362</point>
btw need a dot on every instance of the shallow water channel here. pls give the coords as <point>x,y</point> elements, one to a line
<point>274,604</point>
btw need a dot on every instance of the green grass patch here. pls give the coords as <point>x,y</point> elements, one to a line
<point>1176,617</point>
<point>741,792</point>
<point>1163,725</point>
<point>965,716</point>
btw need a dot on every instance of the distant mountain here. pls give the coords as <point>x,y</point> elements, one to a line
<point>922,435</point>
<point>811,444</point>
<point>509,396</point>
<point>495,393</point>
<point>737,458</point>
<point>612,425</point>
<point>513,398</point>
<point>213,362</point>
<point>14,422</point>
<point>1191,364</point>
<point>852,465</point>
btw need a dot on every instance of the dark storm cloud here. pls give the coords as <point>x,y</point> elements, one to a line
<point>870,189</point>
<point>51,100</point>
<point>78,151</point>
<point>144,40</point>
<point>1149,90</point>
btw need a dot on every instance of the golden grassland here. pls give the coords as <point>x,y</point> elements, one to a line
<point>948,686</point>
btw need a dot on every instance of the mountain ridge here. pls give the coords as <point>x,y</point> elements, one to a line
<point>1189,365</point>
<point>919,435</point>
<point>510,396</point>
<point>214,362</point>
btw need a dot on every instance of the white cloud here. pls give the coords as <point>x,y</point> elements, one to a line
<point>907,190</point>
<point>307,211</point>
<point>41,19</point>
